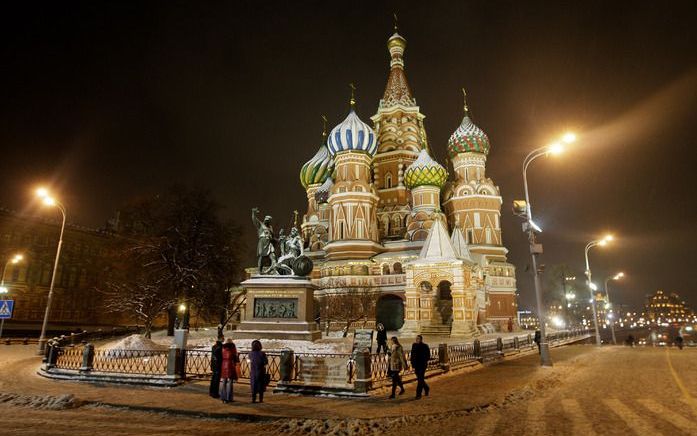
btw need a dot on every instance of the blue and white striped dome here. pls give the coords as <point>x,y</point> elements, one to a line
<point>352,134</point>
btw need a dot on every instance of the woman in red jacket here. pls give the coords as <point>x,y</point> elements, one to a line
<point>228,370</point>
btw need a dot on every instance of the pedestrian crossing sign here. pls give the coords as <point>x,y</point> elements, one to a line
<point>6,307</point>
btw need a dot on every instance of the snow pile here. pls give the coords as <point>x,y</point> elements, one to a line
<point>135,342</point>
<point>322,346</point>
<point>67,401</point>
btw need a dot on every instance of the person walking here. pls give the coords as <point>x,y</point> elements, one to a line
<point>258,379</point>
<point>381,339</point>
<point>228,370</point>
<point>216,362</point>
<point>420,355</point>
<point>538,339</point>
<point>396,364</point>
<point>679,341</point>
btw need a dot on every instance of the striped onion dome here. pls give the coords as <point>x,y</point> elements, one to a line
<point>352,134</point>
<point>323,192</point>
<point>317,169</point>
<point>425,171</point>
<point>468,138</point>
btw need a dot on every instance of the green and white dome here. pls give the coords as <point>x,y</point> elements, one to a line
<point>468,138</point>
<point>317,169</point>
<point>425,171</point>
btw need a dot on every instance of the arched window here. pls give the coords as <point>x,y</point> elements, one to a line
<point>425,287</point>
<point>397,268</point>
<point>388,180</point>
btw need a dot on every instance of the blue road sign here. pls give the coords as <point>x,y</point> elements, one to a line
<point>6,307</point>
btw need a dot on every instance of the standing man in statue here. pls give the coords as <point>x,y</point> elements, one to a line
<point>420,354</point>
<point>265,246</point>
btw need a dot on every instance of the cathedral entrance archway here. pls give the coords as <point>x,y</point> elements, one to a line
<point>445,301</point>
<point>389,310</point>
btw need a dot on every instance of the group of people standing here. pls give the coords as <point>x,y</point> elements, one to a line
<point>396,363</point>
<point>225,365</point>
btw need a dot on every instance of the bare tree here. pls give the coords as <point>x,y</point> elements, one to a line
<point>133,288</point>
<point>349,307</point>
<point>179,250</point>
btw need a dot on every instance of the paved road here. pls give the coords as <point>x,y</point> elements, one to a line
<point>613,390</point>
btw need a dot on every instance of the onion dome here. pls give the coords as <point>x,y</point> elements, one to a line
<point>317,169</point>
<point>468,137</point>
<point>323,192</point>
<point>425,171</point>
<point>352,134</point>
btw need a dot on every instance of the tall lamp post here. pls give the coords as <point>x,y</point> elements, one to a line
<point>617,276</point>
<point>598,242</point>
<point>535,249</point>
<point>3,290</point>
<point>50,201</point>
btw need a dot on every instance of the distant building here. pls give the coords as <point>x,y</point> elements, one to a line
<point>662,308</point>
<point>75,301</point>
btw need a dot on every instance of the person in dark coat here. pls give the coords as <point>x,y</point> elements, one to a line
<point>257,371</point>
<point>228,371</point>
<point>396,363</point>
<point>679,341</point>
<point>381,338</point>
<point>216,362</point>
<point>538,339</point>
<point>420,355</point>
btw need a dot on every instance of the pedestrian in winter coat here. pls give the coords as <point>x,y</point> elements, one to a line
<point>257,371</point>
<point>381,339</point>
<point>228,371</point>
<point>420,355</point>
<point>538,339</point>
<point>396,364</point>
<point>216,362</point>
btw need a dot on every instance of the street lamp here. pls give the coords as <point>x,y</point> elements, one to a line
<point>617,276</point>
<point>535,248</point>
<point>3,290</point>
<point>44,195</point>
<point>591,286</point>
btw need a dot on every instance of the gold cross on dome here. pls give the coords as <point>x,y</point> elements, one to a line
<point>353,97</point>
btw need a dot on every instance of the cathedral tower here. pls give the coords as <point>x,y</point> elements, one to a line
<point>400,137</point>
<point>474,202</point>
<point>313,174</point>
<point>353,232</point>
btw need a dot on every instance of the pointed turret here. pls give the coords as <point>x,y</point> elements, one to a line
<point>437,245</point>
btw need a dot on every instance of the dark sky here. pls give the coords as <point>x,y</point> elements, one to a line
<point>109,100</point>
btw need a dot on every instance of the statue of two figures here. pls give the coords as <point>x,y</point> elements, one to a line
<point>291,261</point>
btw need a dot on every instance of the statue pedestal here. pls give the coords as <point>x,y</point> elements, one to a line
<point>279,307</point>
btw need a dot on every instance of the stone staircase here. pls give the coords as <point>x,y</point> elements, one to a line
<point>435,330</point>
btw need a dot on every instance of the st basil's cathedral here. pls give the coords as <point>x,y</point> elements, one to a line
<point>384,216</point>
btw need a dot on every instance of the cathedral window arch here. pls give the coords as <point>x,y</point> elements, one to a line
<point>470,236</point>
<point>388,180</point>
<point>488,235</point>
<point>397,268</point>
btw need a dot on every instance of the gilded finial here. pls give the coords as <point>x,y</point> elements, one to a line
<point>352,102</point>
<point>295,218</point>
<point>324,126</point>
<point>464,97</point>
<point>394,14</point>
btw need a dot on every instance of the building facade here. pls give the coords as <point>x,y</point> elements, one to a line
<point>382,214</point>
<point>75,301</point>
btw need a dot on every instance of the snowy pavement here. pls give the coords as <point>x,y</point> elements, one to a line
<point>613,390</point>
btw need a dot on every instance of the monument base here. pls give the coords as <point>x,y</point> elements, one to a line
<point>279,307</point>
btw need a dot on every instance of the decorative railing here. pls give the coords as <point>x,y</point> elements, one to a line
<point>146,362</point>
<point>173,364</point>
<point>69,358</point>
<point>459,354</point>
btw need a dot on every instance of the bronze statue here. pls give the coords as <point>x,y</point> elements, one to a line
<point>292,260</point>
<point>265,246</point>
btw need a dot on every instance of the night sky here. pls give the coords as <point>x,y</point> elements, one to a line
<point>110,101</point>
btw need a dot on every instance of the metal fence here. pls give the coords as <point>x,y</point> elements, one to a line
<point>459,354</point>
<point>196,363</point>
<point>146,362</point>
<point>69,358</point>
